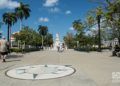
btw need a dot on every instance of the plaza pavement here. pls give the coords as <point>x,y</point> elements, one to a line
<point>92,69</point>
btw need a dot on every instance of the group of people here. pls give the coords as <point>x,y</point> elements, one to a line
<point>3,49</point>
<point>60,47</point>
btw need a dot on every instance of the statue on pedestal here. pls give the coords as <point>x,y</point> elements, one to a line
<point>57,41</point>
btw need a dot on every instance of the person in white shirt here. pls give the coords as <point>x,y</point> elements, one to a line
<point>3,48</point>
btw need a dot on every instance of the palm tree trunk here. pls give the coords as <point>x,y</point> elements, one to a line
<point>8,37</point>
<point>20,24</point>
<point>42,40</point>
<point>0,30</point>
<point>99,36</point>
<point>8,33</point>
<point>119,36</point>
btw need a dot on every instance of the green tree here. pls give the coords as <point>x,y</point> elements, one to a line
<point>49,39</point>
<point>69,40</point>
<point>28,36</point>
<point>9,19</point>
<point>112,16</point>
<point>78,26</point>
<point>22,12</point>
<point>99,14</point>
<point>43,30</point>
<point>90,21</point>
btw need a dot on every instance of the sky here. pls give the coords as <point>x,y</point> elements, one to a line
<point>58,15</point>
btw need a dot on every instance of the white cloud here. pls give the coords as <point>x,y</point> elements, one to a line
<point>71,28</point>
<point>50,3</point>
<point>68,12</point>
<point>9,4</point>
<point>43,19</point>
<point>54,10</point>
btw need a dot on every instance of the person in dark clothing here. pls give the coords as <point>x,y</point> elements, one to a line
<point>116,49</point>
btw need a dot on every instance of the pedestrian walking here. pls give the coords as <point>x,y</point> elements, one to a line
<point>3,48</point>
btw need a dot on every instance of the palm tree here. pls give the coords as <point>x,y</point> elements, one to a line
<point>90,21</point>
<point>99,13</point>
<point>48,40</point>
<point>78,25</point>
<point>113,17</point>
<point>43,30</point>
<point>9,19</point>
<point>69,38</point>
<point>22,12</point>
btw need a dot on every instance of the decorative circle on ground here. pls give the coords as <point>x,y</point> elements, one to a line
<point>36,72</point>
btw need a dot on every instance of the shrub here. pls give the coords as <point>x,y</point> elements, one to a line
<point>87,49</point>
<point>17,50</point>
<point>31,49</point>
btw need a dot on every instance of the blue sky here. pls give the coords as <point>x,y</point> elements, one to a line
<point>58,15</point>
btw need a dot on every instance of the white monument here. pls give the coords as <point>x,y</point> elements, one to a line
<point>56,42</point>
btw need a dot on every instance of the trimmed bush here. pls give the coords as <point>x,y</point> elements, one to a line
<point>87,49</point>
<point>31,49</point>
<point>17,50</point>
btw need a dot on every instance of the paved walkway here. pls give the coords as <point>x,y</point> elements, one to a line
<point>92,69</point>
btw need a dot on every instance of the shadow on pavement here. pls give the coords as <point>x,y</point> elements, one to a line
<point>13,60</point>
<point>14,56</point>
